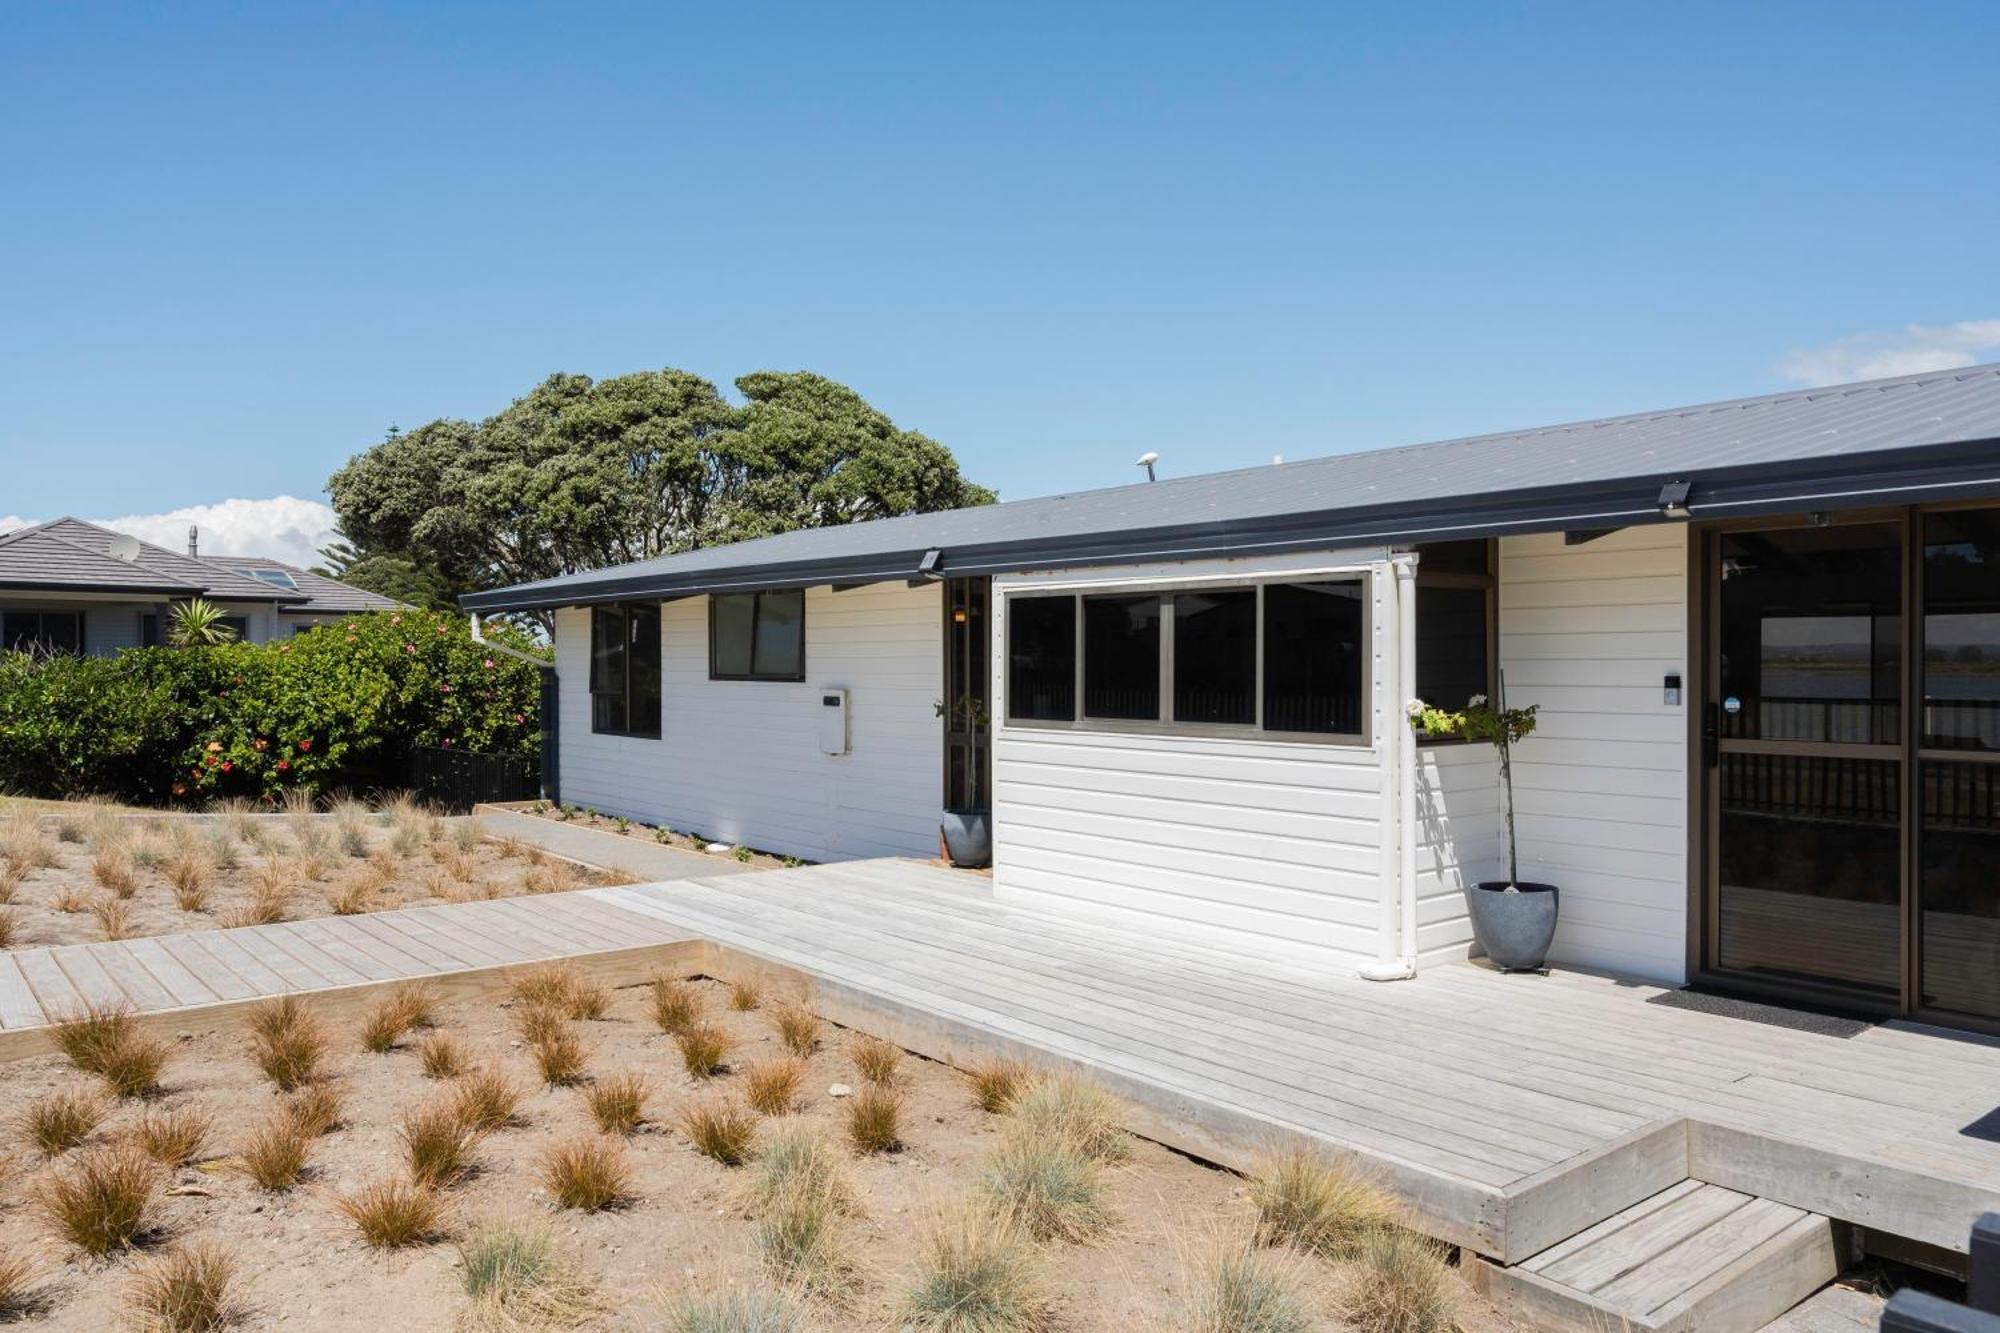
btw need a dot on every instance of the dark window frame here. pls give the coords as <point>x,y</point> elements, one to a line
<point>756,621</point>
<point>625,611</point>
<point>1165,723</point>
<point>1490,582</point>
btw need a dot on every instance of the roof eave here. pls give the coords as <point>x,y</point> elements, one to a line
<point>1902,476</point>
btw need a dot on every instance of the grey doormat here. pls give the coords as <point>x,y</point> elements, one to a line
<point>1755,1011</point>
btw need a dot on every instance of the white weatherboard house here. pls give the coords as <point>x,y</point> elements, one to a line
<point>1764,636</point>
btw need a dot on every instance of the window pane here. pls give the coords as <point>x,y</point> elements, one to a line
<point>1314,636</point>
<point>1812,634</point>
<point>644,673</point>
<point>1960,903</point>
<point>607,650</point>
<point>781,644</point>
<point>1041,658</point>
<point>1215,657</point>
<point>1121,657</point>
<point>731,617</point>
<point>1962,630</point>
<point>1451,645</point>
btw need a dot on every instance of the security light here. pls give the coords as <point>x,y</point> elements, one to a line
<point>1674,499</point>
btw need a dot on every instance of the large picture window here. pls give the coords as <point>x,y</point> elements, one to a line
<point>625,670</point>
<point>757,636</point>
<point>1278,658</point>
<point>42,631</point>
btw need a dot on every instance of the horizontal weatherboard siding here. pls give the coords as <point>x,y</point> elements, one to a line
<point>740,761</point>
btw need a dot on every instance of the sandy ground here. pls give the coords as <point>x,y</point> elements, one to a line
<point>52,905</point>
<point>304,1267</point>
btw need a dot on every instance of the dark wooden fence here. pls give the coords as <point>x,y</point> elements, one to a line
<point>460,779</point>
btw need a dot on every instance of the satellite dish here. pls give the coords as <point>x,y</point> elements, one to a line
<point>124,548</point>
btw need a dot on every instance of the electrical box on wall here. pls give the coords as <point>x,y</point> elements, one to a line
<point>833,721</point>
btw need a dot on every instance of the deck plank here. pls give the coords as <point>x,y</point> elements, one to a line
<point>18,1008</point>
<point>54,991</point>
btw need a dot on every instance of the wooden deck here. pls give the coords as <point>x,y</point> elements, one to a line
<point>1511,1112</point>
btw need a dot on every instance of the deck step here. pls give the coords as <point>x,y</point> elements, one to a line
<point>1693,1256</point>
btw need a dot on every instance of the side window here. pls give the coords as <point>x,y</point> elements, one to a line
<point>625,670</point>
<point>1454,622</point>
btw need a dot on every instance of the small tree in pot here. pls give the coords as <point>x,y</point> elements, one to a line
<point>1515,921</point>
<point>968,832</point>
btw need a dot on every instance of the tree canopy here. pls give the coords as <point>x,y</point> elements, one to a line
<point>578,474</point>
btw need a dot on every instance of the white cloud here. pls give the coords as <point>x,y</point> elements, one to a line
<point>283,527</point>
<point>1914,350</point>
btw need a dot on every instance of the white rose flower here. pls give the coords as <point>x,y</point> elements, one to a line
<point>1476,701</point>
<point>1415,708</point>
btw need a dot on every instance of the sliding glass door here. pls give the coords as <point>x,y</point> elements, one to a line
<point>1852,737</point>
<point>1807,678</point>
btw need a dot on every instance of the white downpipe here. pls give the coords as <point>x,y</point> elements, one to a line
<point>1406,741</point>
<point>1390,963</point>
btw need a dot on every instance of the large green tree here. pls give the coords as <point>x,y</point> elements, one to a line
<point>579,474</point>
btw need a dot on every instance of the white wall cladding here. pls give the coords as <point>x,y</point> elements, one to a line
<point>1589,632</point>
<point>1460,841</point>
<point>740,760</point>
<point>1269,846</point>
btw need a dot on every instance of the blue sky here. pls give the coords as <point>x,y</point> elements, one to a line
<point>240,241</point>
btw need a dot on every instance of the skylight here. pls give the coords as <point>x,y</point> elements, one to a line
<point>277,578</point>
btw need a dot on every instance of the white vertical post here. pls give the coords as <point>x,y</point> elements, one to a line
<point>1389,963</point>
<point>1406,740</point>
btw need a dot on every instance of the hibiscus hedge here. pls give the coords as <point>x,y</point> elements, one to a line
<point>338,706</point>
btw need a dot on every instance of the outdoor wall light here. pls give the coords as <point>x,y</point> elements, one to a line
<point>1674,499</point>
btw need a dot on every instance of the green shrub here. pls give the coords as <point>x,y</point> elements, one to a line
<point>334,707</point>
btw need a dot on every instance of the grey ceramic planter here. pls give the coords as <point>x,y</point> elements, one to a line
<point>1515,929</point>
<point>968,838</point>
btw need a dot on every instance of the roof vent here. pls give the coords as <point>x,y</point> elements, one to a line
<point>194,540</point>
<point>124,548</point>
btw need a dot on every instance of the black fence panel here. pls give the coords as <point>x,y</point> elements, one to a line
<point>460,779</point>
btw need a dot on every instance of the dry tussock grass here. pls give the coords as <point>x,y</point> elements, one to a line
<point>62,1120</point>
<point>315,1108</point>
<point>391,1214</point>
<point>977,1271</point>
<point>874,1116</point>
<point>185,1290</point>
<point>1074,1110</point>
<point>798,1028</point>
<point>1398,1282</point>
<point>114,918</point>
<point>745,996</point>
<point>1049,1186</point>
<point>101,1201</point>
<point>486,1100</point>
<point>772,1086</point>
<point>437,1144</point>
<point>274,1156</point>
<point>588,1172</point>
<point>442,1055</point>
<point>87,1035</point>
<point>1309,1202</point>
<point>173,1135</point>
<point>997,1083</point>
<point>720,1129</point>
<point>676,1005</point>
<point>289,1042</point>
<point>560,1056</point>
<point>131,1067</point>
<point>875,1060</point>
<point>618,1102</point>
<point>189,873</point>
<point>704,1048</point>
<point>113,870</point>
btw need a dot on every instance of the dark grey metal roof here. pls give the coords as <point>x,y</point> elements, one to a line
<point>40,559</point>
<point>1914,437</point>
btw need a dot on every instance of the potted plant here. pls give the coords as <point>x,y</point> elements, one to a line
<point>968,830</point>
<point>1514,920</point>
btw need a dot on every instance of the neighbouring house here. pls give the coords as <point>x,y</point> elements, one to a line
<point>75,587</point>
<point>1764,637</point>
